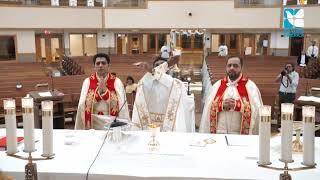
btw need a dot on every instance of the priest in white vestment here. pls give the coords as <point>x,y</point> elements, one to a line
<point>160,99</point>
<point>232,106</point>
<point>102,94</point>
<point>223,50</point>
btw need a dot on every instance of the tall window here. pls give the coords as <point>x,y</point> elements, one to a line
<point>222,39</point>
<point>162,39</point>
<point>83,44</point>
<point>198,41</point>
<point>152,41</point>
<point>185,41</point>
<point>7,48</point>
<point>233,41</point>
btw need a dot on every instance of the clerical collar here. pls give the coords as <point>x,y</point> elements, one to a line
<point>165,79</point>
<point>235,82</point>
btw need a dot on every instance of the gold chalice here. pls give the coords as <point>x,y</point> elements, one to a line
<point>155,130</point>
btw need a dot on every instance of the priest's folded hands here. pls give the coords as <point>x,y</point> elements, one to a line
<point>229,104</point>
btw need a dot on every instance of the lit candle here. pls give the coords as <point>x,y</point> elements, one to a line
<point>11,127</point>
<point>308,117</point>
<point>264,135</point>
<point>47,128</point>
<point>28,123</point>
<point>286,131</point>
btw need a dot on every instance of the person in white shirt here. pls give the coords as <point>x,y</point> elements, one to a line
<point>313,50</point>
<point>165,53</point>
<point>160,99</point>
<point>303,59</point>
<point>289,80</point>
<point>223,50</point>
<point>232,106</point>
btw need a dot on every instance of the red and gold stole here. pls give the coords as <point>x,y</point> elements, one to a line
<point>93,96</point>
<point>242,105</point>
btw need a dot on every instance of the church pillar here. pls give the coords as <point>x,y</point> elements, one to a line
<point>207,42</point>
<point>106,42</point>
<point>66,41</point>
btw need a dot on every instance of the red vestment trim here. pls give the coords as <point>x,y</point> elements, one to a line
<point>93,96</point>
<point>242,105</point>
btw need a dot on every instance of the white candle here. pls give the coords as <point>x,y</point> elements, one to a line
<point>28,123</point>
<point>286,131</point>
<point>47,128</point>
<point>11,126</point>
<point>264,135</point>
<point>308,117</point>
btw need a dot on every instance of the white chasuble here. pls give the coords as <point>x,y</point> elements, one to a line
<point>160,99</point>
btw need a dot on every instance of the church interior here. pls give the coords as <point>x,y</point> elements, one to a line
<point>47,46</point>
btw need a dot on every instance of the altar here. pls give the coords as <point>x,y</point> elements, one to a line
<point>179,156</point>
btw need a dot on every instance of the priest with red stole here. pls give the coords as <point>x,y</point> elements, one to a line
<point>232,106</point>
<point>102,94</point>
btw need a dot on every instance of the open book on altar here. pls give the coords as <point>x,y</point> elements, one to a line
<point>309,98</point>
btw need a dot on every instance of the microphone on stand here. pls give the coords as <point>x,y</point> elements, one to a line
<point>52,84</point>
<point>307,89</point>
<point>116,123</point>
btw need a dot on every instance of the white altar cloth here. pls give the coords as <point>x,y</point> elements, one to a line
<point>175,158</point>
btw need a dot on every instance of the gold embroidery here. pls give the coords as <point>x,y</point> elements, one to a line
<point>169,118</point>
<point>113,102</point>
<point>89,100</point>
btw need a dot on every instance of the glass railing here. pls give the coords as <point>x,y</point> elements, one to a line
<point>274,3</point>
<point>143,3</point>
<point>127,3</point>
<point>257,3</point>
<point>56,3</point>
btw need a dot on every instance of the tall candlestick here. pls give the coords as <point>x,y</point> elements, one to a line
<point>47,128</point>
<point>286,131</point>
<point>264,135</point>
<point>11,127</point>
<point>28,123</point>
<point>308,117</point>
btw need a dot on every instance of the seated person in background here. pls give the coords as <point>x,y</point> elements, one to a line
<point>223,50</point>
<point>233,103</point>
<point>303,59</point>
<point>130,85</point>
<point>313,50</point>
<point>161,100</point>
<point>103,94</point>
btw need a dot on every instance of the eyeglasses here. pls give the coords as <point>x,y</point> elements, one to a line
<point>101,62</point>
